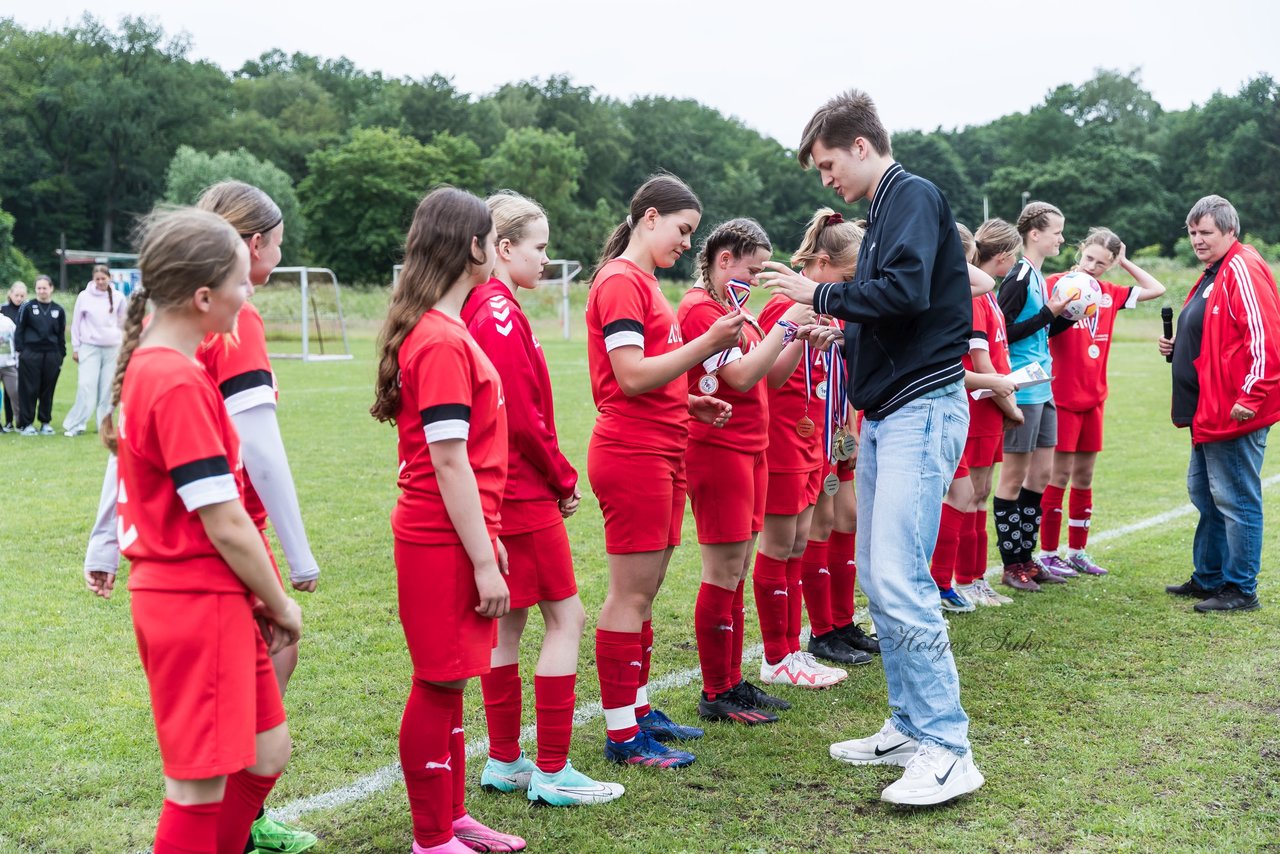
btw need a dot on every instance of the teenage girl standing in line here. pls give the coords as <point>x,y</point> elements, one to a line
<point>446,400</point>
<point>727,474</point>
<point>638,359</point>
<point>200,571</point>
<point>1080,391</point>
<point>541,492</point>
<point>95,342</point>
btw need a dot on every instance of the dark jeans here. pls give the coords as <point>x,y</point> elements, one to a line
<point>1225,483</point>
<point>37,378</point>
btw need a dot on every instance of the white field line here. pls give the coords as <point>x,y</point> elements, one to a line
<point>388,775</point>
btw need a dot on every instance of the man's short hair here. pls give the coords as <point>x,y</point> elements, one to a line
<point>840,121</point>
<point>1223,213</point>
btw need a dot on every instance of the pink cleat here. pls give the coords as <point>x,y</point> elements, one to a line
<point>477,837</point>
<point>453,846</point>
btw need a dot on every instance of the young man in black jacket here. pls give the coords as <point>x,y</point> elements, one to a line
<point>909,316</point>
<point>41,343</point>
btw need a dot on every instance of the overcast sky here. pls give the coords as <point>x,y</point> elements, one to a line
<point>768,63</point>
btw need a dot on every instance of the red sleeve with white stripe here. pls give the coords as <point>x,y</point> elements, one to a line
<point>190,441</point>
<point>1255,308</point>
<point>443,390</point>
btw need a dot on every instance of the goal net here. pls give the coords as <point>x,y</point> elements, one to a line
<point>302,310</point>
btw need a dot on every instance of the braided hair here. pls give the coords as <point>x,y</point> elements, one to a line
<point>740,236</point>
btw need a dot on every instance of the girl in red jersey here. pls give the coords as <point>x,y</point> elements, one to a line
<point>541,492</point>
<point>798,467</point>
<point>994,251</point>
<point>638,359</point>
<point>446,400</point>
<point>200,571</point>
<point>1080,391</point>
<point>726,468</point>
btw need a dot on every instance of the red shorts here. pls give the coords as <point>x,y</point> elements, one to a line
<point>727,490</point>
<point>641,495</point>
<point>790,492</point>
<point>436,586</point>
<point>541,566</point>
<point>1080,432</point>
<point>212,685</point>
<point>982,452</point>
<point>962,469</point>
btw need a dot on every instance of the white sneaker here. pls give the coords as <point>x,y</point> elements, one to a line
<point>795,670</point>
<point>47,430</point>
<point>887,747</point>
<point>993,594</point>
<point>71,433</point>
<point>934,775</point>
<point>811,661</point>
<point>29,430</point>
<point>976,595</point>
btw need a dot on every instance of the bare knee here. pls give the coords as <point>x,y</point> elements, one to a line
<point>566,617</point>
<point>273,748</point>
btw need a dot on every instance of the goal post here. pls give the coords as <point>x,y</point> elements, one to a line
<point>318,316</point>
<point>565,271</point>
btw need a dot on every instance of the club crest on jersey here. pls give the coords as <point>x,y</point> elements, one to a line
<point>54,314</point>
<point>674,336</point>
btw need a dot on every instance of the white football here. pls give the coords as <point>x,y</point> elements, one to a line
<point>1083,292</point>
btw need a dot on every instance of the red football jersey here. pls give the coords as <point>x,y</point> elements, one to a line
<point>1080,353</point>
<point>748,429</point>
<point>788,451</point>
<point>625,308</point>
<point>985,418</point>
<point>537,470</point>
<point>242,372</point>
<point>178,452</point>
<point>448,390</point>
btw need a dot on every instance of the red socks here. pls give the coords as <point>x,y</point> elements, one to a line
<point>817,587</point>
<point>840,560</point>
<point>554,699</point>
<point>971,554</point>
<point>243,798</point>
<point>769,581</point>
<point>739,613</point>
<point>502,691</point>
<point>713,627</point>
<point>188,829</point>
<point>1051,517</point>
<point>428,760</point>
<point>1080,517</point>
<point>944,552</point>
<point>646,659</point>
<point>618,662</point>
<point>795,603</point>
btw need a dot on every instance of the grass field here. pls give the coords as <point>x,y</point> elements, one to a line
<point>1105,714</point>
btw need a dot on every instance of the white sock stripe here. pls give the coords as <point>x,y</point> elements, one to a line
<point>620,718</point>
<point>642,696</point>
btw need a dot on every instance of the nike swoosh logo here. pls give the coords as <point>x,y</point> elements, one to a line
<point>880,752</point>
<point>597,789</point>
<point>943,779</point>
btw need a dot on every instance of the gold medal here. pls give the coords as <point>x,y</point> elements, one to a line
<point>837,445</point>
<point>805,426</point>
<point>708,384</point>
<point>850,446</point>
<point>831,484</point>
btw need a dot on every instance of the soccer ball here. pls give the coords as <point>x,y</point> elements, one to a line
<point>1084,293</point>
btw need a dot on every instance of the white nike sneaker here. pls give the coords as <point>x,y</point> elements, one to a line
<point>934,775</point>
<point>569,788</point>
<point>887,747</point>
<point>795,670</point>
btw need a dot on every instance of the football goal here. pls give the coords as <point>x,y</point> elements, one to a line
<point>302,310</point>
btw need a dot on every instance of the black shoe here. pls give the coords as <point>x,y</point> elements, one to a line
<point>729,707</point>
<point>855,637</point>
<point>829,647</point>
<point>1191,588</point>
<point>1229,598</point>
<point>750,695</point>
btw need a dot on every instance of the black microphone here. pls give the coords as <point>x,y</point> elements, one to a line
<point>1166,315</point>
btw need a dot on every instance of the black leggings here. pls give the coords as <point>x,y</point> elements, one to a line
<point>37,378</point>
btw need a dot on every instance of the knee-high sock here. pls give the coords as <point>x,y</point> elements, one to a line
<point>1008,520</point>
<point>969,561</point>
<point>1079,519</point>
<point>243,798</point>
<point>1029,507</point>
<point>1051,517</point>
<point>426,758</point>
<point>713,628</point>
<point>618,664</point>
<point>816,575</point>
<point>553,698</point>
<point>503,696</point>
<point>844,572</point>
<point>795,603</point>
<point>769,582</point>
<point>943,566</point>
<point>739,633</point>
<point>187,829</point>
<point>646,660</point>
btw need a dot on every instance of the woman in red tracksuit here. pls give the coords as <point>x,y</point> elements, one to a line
<point>446,400</point>
<point>200,572</point>
<point>541,492</point>
<point>638,358</point>
<point>726,468</point>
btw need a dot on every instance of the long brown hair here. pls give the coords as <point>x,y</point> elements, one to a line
<point>437,252</point>
<point>249,210</point>
<point>111,297</point>
<point>666,194</point>
<point>180,251</point>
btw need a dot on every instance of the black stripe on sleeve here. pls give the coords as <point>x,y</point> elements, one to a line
<point>446,412</point>
<point>623,326</point>
<point>199,470</point>
<point>978,333</point>
<point>244,382</point>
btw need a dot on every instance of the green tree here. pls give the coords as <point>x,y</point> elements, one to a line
<point>931,156</point>
<point>14,266</point>
<point>544,165</point>
<point>191,171</point>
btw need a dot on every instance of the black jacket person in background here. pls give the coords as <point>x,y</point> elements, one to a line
<point>41,342</point>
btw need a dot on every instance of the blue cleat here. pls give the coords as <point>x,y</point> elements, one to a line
<point>644,750</point>
<point>662,728</point>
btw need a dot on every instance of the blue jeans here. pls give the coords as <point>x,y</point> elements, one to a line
<point>905,465</point>
<point>1224,480</point>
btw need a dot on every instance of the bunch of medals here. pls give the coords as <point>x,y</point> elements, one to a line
<point>838,441</point>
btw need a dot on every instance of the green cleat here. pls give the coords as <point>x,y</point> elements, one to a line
<point>275,837</point>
